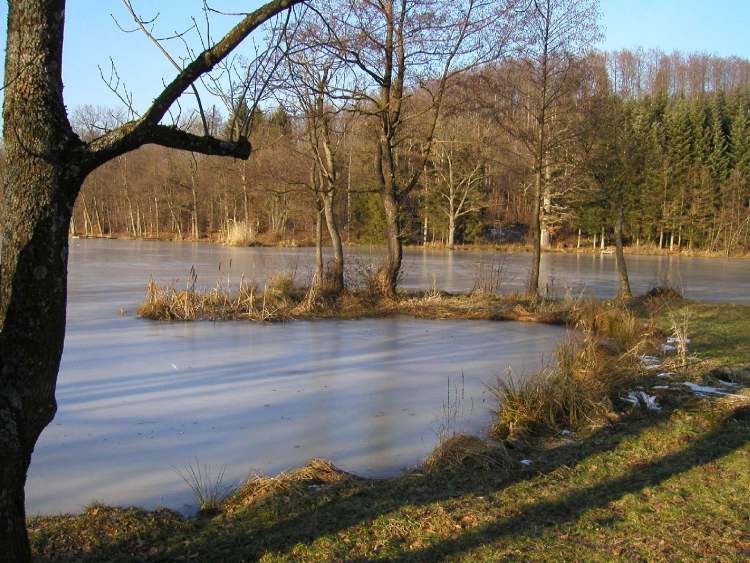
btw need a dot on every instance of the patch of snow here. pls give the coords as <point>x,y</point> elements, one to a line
<point>661,387</point>
<point>665,374</point>
<point>677,341</point>
<point>526,462</point>
<point>668,348</point>
<point>704,390</point>
<point>566,433</point>
<point>650,362</point>
<point>642,398</point>
<point>728,383</point>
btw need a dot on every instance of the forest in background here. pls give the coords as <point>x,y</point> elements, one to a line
<point>671,132</point>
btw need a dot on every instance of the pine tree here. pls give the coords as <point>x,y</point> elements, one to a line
<point>740,138</point>
<point>718,160</point>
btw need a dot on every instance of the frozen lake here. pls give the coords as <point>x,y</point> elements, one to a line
<point>139,399</point>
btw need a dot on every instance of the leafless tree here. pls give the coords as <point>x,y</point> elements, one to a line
<point>314,79</point>
<point>46,165</point>
<point>398,51</point>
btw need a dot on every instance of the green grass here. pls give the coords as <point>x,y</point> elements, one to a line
<point>720,332</point>
<point>672,485</point>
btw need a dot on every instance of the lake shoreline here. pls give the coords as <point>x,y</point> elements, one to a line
<point>554,487</point>
<point>643,250</point>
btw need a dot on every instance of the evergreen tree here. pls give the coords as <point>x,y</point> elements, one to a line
<point>718,160</point>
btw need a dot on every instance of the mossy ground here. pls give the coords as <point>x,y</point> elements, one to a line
<point>647,486</point>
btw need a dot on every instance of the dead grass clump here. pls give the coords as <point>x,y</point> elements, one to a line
<point>464,452</point>
<point>665,293</point>
<point>240,233</point>
<point>572,395</point>
<point>207,485</point>
<point>539,309</point>
<point>614,324</point>
<point>488,279</point>
<point>282,286</point>
<point>317,473</point>
<point>661,297</point>
<point>167,303</point>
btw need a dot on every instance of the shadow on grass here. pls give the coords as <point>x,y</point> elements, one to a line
<point>280,524</point>
<point>535,519</point>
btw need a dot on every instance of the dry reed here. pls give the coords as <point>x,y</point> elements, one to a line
<point>318,472</point>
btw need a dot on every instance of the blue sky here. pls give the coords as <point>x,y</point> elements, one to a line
<point>717,27</point>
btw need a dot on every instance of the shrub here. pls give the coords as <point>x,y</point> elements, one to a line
<point>572,395</point>
<point>240,233</point>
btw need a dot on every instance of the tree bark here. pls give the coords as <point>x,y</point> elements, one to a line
<point>622,270</point>
<point>337,273</point>
<point>36,204</point>
<point>451,231</point>
<point>319,266</point>
<point>536,236</point>
<point>390,270</point>
<point>46,164</point>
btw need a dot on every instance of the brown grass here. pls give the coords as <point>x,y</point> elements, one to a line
<point>240,233</point>
<point>463,452</point>
<point>592,368</point>
<point>281,299</point>
<point>317,473</point>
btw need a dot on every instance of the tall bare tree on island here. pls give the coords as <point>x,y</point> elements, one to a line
<point>46,164</point>
<point>397,50</point>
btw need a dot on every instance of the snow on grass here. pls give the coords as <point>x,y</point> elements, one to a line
<point>641,398</point>
<point>705,390</point>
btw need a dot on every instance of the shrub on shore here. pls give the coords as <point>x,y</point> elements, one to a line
<point>240,233</point>
<point>578,391</point>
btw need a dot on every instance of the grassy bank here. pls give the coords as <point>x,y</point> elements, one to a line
<point>618,481</point>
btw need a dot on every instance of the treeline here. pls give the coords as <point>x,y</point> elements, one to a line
<point>685,174</point>
<point>687,168</point>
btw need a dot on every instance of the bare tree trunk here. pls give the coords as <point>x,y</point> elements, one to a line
<point>245,201</point>
<point>194,193</point>
<point>536,236</point>
<point>98,218</point>
<point>35,211</point>
<point>156,215</point>
<point>319,273</point>
<point>337,275</point>
<point>390,270</point>
<point>622,270</point>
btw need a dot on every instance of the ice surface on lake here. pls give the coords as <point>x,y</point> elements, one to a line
<point>139,399</point>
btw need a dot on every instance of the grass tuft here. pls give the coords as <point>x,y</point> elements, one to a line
<point>240,233</point>
<point>317,473</point>
<point>207,485</point>
<point>463,452</point>
<point>579,391</point>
